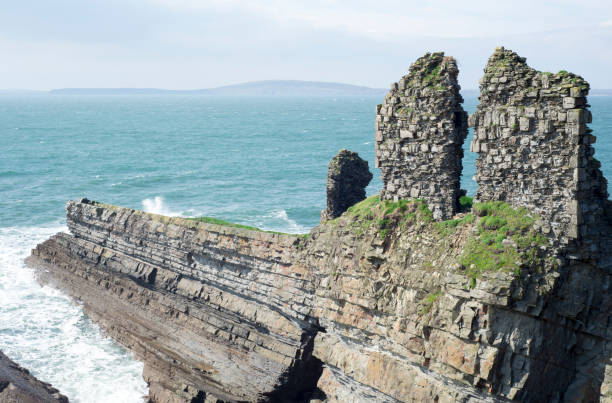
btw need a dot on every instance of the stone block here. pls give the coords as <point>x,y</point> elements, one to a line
<point>575,92</point>
<point>545,126</point>
<point>576,116</point>
<point>569,103</point>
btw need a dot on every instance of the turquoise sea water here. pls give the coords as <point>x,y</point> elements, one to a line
<point>256,161</point>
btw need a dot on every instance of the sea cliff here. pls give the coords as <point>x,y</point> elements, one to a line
<point>411,296</point>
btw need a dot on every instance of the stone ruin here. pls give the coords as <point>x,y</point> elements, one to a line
<point>347,177</point>
<point>420,129</point>
<point>535,149</point>
<point>530,130</point>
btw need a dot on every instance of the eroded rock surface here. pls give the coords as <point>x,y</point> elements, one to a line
<point>402,317</point>
<point>17,385</point>
<point>420,130</point>
<point>211,310</point>
<point>347,177</point>
<point>354,313</point>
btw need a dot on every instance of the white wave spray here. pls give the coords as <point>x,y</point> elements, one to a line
<point>286,224</point>
<point>157,205</point>
<point>44,331</point>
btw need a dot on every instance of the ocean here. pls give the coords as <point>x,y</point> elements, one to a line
<point>259,161</point>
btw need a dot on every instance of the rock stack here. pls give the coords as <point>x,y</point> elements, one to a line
<point>347,177</point>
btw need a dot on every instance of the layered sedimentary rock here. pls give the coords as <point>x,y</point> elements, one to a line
<point>347,177</point>
<point>420,130</point>
<point>356,312</point>
<point>535,149</point>
<point>386,302</point>
<point>211,310</point>
<point>17,385</point>
<point>402,318</point>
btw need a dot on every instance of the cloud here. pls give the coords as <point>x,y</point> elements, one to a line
<point>398,20</point>
<point>206,43</point>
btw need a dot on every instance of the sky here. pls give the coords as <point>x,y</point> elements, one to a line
<point>191,44</point>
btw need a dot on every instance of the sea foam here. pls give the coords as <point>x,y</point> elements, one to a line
<point>157,205</point>
<point>43,330</point>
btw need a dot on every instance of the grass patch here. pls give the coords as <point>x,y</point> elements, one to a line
<point>432,76</point>
<point>504,240</point>
<point>448,226</point>
<point>385,215</point>
<point>429,301</point>
<point>465,202</point>
<point>216,221</point>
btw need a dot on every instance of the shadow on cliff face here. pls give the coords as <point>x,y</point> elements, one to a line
<point>574,329</point>
<point>299,383</point>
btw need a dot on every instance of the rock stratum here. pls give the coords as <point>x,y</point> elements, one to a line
<point>391,301</point>
<point>17,385</point>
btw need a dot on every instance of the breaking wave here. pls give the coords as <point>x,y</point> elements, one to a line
<point>157,205</point>
<point>43,330</point>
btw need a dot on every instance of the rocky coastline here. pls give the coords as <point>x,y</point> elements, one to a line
<point>410,296</point>
<point>17,385</point>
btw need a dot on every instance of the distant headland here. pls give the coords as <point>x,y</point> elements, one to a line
<point>252,88</point>
<point>255,88</point>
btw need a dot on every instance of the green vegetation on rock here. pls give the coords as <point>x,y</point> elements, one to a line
<point>207,220</point>
<point>432,75</point>
<point>465,202</point>
<point>429,301</point>
<point>386,214</point>
<point>504,240</point>
<point>216,221</point>
<point>448,226</point>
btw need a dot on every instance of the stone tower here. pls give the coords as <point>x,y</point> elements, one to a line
<point>535,147</point>
<point>420,129</point>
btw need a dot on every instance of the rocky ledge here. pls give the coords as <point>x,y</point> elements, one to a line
<point>17,385</point>
<point>380,304</point>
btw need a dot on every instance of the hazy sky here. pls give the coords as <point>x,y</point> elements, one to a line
<point>187,44</point>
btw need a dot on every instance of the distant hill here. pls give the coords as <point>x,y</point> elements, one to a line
<point>21,92</point>
<point>256,88</point>
<point>600,93</point>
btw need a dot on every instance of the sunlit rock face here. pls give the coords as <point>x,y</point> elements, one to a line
<point>18,385</point>
<point>347,177</point>
<point>420,130</point>
<point>535,148</point>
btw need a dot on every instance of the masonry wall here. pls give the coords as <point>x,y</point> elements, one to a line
<point>535,149</point>
<point>420,129</point>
